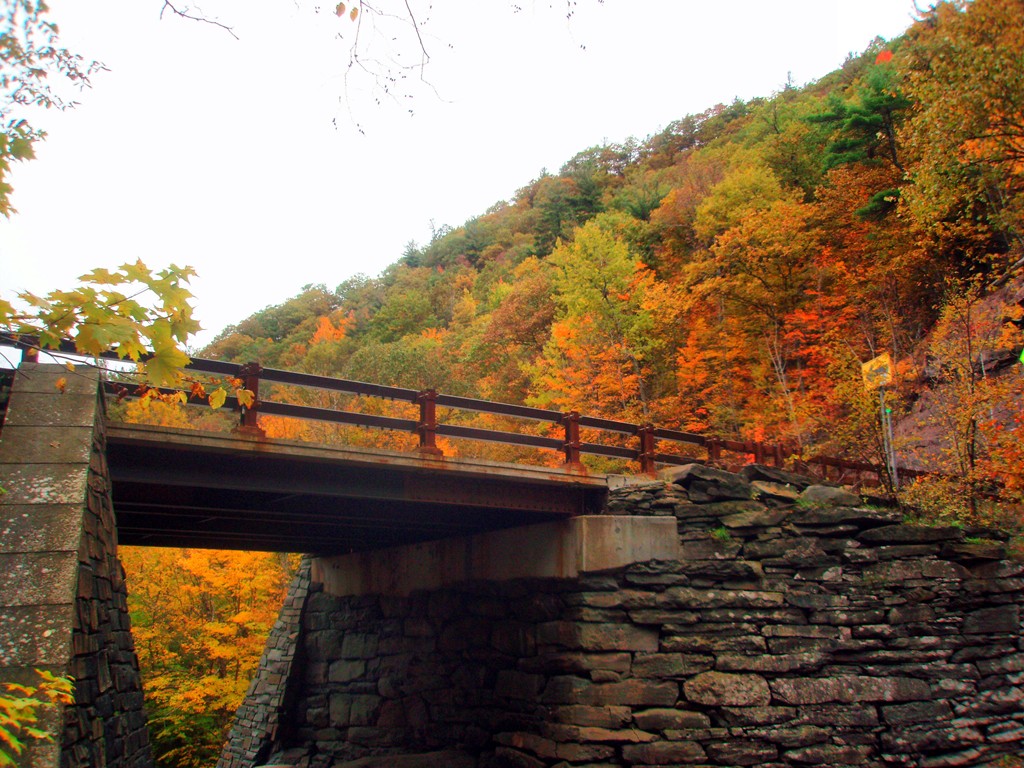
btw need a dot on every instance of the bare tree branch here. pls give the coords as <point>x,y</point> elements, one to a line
<point>186,14</point>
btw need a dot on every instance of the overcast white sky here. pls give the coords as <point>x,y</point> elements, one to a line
<point>243,159</point>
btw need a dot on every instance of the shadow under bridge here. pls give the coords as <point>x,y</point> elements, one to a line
<point>183,488</point>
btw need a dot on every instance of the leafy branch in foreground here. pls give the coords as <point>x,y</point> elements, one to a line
<point>135,313</point>
<point>30,52</point>
<point>20,710</point>
<point>132,312</point>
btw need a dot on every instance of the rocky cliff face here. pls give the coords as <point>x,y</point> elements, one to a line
<point>797,628</point>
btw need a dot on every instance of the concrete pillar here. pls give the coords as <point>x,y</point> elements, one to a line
<point>559,550</point>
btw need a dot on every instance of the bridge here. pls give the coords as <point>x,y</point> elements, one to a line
<point>178,487</point>
<point>243,490</point>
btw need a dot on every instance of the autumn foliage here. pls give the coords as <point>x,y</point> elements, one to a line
<point>728,276</point>
<point>200,619</point>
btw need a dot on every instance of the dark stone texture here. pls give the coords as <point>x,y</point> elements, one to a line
<point>708,483</point>
<point>768,474</point>
<point>826,495</point>
<point>911,534</point>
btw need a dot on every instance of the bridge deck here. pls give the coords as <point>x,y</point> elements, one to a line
<point>175,487</point>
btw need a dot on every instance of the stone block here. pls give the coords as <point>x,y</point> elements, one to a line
<point>506,757</point>
<point>787,549</point>
<point>911,534</point>
<point>696,599</point>
<point>793,737</point>
<point>44,484</point>
<point>651,616</point>
<point>740,752</point>
<point>830,754</point>
<point>917,712</point>
<point>38,578</point>
<point>757,518</point>
<point>934,738</point>
<point>614,717</point>
<point>47,445</point>
<point>794,662</point>
<point>633,693</point>
<point>729,690</point>
<point>529,742</point>
<point>355,645</point>
<point>829,516</point>
<point>712,643</point>
<point>993,621</point>
<point>620,598</point>
<point>48,409</point>
<point>668,666</point>
<point>576,663</point>
<point>776,494</point>
<point>849,689</point>
<point>757,716</point>
<point>346,670</point>
<point>677,719</point>
<point>597,637</point>
<point>664,753</point>
<point>35,635</point>
<point>347,709</point>
<point>518,639</point>
<point>563,733</point>
<point>707,483</point>
<point>764,473</point>
<point>826,495</point>
<point>709,549</point>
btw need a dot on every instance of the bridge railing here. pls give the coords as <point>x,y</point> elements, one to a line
<point>645,444</point>
<point>428,427</point>
<point>641,441</point>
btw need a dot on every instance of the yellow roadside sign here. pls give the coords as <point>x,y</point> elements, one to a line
<point>877,372</point>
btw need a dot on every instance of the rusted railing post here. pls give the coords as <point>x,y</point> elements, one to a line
<point>647,447</point>
<point>714,450</point>
<point>759,452</point>
<point>427,426</point>
<point>571,420</point>
<point>250,376</point>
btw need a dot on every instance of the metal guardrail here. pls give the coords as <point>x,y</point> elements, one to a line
<point>646,437</point>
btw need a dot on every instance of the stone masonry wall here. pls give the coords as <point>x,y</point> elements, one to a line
<point>261,720</point>
<point>798,628</point>
<point>62,592</point>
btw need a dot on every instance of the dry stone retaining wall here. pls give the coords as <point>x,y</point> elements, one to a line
<point>798,628</point>
<point>262,721</point>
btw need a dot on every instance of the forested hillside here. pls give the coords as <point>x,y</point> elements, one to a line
<point>727,275</point>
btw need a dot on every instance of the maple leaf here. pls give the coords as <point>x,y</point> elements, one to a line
<point>245,397</point>
<point>164,366</point>
<point>217,397</point>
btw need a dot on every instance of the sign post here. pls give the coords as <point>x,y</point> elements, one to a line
<point>877,374</point>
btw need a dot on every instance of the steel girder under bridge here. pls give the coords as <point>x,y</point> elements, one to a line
<point>174,487</point>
